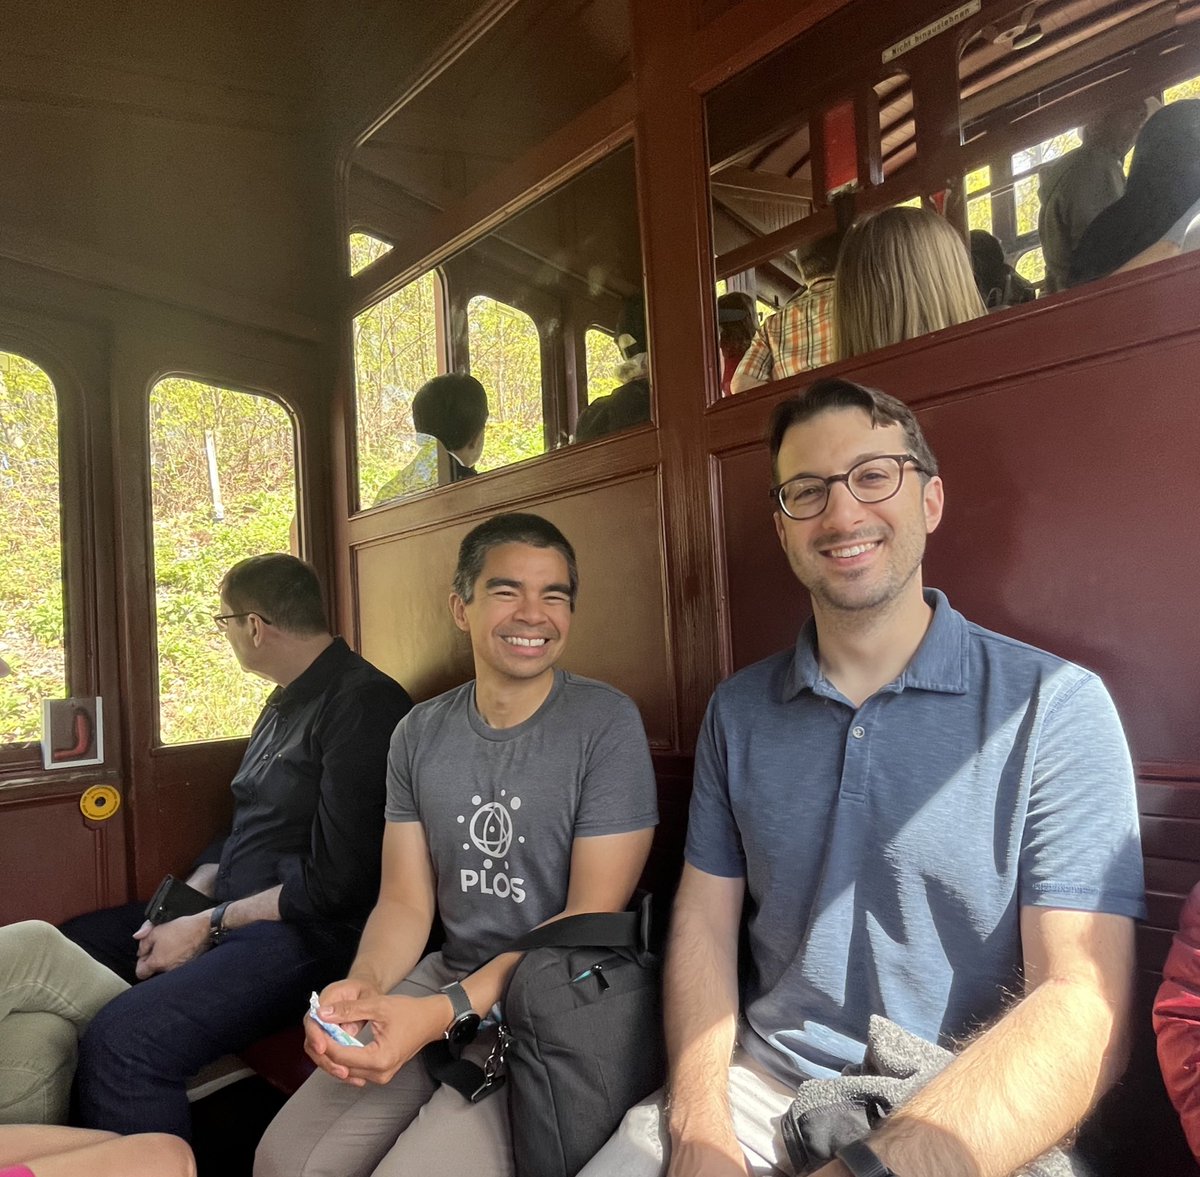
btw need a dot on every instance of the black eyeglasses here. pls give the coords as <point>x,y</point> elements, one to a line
<point>222,620</point>
<point>870,481</point>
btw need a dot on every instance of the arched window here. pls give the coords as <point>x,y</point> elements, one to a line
<point>32,635</point>
<point>365,250</point>
<point>506,358</point>
<point>603,357</point>
<point>396,350</point>
<point>223,486</point>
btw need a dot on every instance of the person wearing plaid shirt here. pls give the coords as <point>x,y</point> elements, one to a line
<point>799,336</point>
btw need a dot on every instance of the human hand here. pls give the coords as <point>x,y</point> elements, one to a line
<point>162,947</point>
<point>400,1026</point>
<point>710,1158</point>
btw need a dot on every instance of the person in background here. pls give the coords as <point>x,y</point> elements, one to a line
<point>999,285</point>
<point>42,1150</point>
<point>737,319</point>
<point>628,405</point>
<point>799,336</point>
<point>290,885</point>
<point>1159,214</point>
<point>450,411</point>
<point>50,990</point>
<point>1074,190</point>
<point>1177,1021</point>
<point>901,273</point>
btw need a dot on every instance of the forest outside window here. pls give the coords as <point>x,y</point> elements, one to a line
<point>223,486</point>
<point>397,349</point>
<point>32,632</point>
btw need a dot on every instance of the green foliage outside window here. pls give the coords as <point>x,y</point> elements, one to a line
<point>395,352</point>
<point>979,213</point>
<point>202,527</point>
<point>31,578</point>
<point>506,359</point>
<point>603,358</point>
<point>365,250</point>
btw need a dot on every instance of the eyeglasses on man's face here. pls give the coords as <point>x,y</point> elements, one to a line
<point>872,480</point>
<point>222,620</point>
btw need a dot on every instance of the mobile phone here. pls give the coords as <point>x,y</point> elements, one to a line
<point>335,1032</point>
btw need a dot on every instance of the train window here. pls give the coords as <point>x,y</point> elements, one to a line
<point>506,358</point>
<point>31,576</point>
<point>223,487</point>
<point>1052,102</point>
<point>365,250</point>
<point>603,358</point>
<point>396,350</point>
<point>501,309</point>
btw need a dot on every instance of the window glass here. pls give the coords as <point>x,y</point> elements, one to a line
<point>1188,89</point>
<point>1031,265</point>
<point>395,352</point>
<point>365,250</point>
<point>979,213</point>
<point>31,575</point>
<point>223,486</point>
<point>1028,205</point>
<point>1048,150</point>
<point>506,358</point>
<point>602,358</point>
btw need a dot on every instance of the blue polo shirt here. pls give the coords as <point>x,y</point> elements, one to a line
<point>887,849</point>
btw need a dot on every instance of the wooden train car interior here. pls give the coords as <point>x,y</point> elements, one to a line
<point>235,239</point>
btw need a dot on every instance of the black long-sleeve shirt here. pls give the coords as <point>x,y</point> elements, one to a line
<point>309,794</point>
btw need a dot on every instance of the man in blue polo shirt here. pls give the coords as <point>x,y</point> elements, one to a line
<point>918,819</point>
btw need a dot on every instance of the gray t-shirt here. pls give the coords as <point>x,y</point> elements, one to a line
<point>501,807</point>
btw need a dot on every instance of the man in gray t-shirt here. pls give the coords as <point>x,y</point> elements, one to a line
<point>514,799</point>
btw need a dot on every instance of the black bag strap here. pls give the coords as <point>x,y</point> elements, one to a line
<point>595,929</point>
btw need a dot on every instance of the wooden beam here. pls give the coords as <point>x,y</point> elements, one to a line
<point>745,181</point>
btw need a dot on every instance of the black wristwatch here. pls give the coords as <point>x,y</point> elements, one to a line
<point>216,925</point>
<point>861,1160</point>
<point>465,1023</point>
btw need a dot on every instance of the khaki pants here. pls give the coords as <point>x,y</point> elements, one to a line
<point>640,1147</point>
<point>407,1128</point>
<point>50,989</point>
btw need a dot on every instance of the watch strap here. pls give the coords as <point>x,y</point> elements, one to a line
<point>216,923</point>
<point>860,1159</point>
<point>458,999</point>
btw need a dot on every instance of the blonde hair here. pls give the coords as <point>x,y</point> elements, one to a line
<point>901,273</point>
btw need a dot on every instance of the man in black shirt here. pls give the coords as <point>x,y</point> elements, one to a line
<point>292,883</point>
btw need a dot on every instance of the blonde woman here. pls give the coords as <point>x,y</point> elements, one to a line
<point>901,273</point>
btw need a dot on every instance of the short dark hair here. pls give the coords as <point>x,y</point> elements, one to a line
<point>818,259</point>
<point>514,528</point>
<point>281,588</point>
<point>834,393</point>
<point>453,408</point>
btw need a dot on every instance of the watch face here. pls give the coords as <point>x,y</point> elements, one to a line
<point>463,1029</point>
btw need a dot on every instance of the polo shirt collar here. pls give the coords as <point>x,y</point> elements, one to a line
<point>313,680</point>
<point>940,664</point>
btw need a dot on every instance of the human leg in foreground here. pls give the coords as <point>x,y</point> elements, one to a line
<point>48,1151</point>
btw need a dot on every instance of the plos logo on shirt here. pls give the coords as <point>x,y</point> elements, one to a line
<point>490,830</point>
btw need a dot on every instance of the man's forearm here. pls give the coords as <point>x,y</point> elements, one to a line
<point>204,878</point>
<point>392,942</point>
<point>1016,1091</point>
<point>701,1003</point>
<point>252,909</point>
